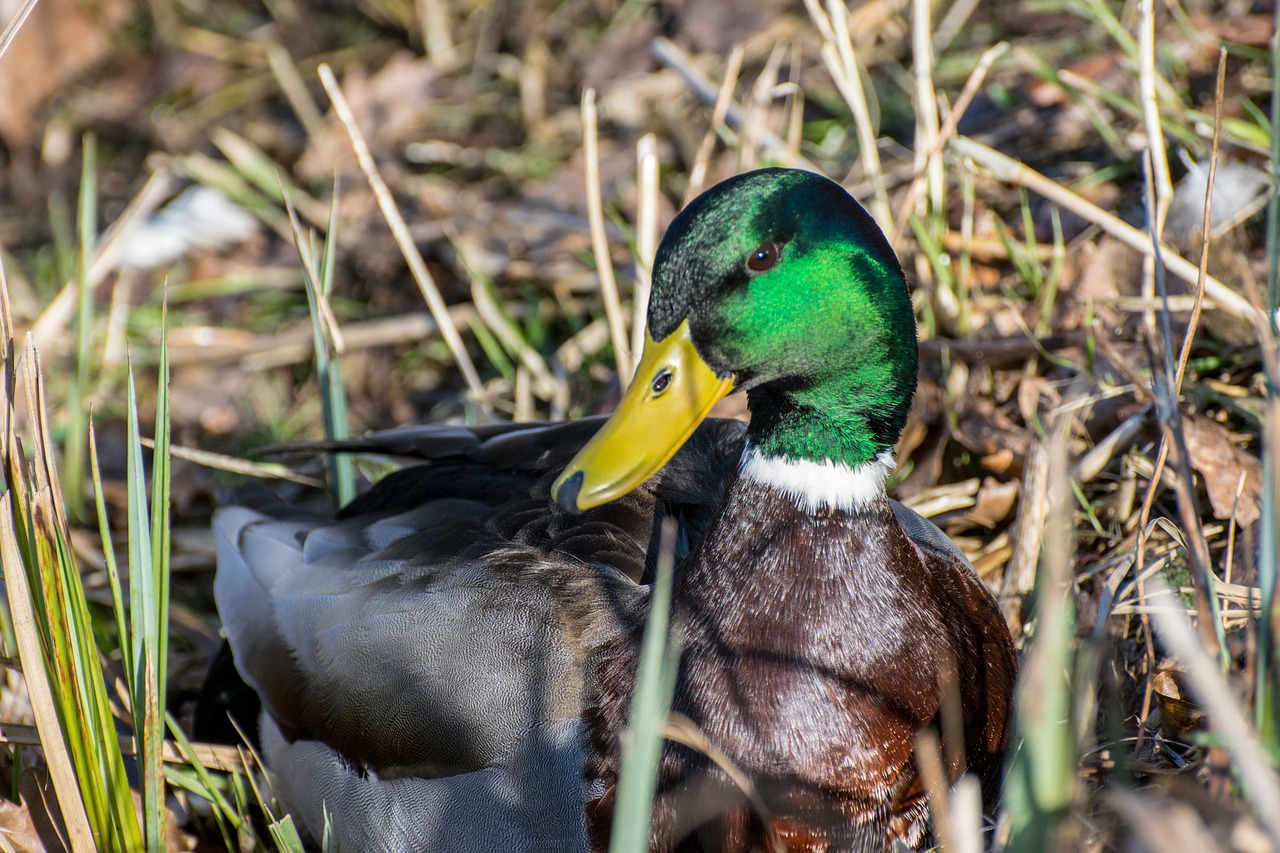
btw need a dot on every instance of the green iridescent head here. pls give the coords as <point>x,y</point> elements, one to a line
<point>779,283</point>
<point>789,285</point>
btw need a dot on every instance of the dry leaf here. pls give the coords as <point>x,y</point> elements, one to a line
<point>390,106</point>
<point>44,815</point>
<point>985,429</point>
<point>60,40</point>
<point>1220,462</point>
<point>994,502</point>
<point>16,829</point>
<point>1179,713</point>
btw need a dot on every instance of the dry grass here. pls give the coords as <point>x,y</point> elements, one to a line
<point>513,157</point>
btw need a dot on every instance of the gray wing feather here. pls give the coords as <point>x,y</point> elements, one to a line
<point>926,534</point>
<point>531,803</point>
<point>395,656</point>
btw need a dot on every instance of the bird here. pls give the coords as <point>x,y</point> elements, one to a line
<point>448,662</point>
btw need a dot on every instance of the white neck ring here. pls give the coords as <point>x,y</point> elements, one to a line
<point>820,485</point>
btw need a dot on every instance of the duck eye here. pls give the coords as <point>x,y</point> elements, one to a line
<point>765,257</point>
<point>660,382</point>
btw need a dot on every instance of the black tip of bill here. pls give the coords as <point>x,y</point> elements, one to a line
<point>567,494</point>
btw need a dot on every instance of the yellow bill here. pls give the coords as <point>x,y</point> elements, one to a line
<point>673,391</point>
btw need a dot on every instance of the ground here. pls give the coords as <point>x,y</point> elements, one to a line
<point>1051,378</point>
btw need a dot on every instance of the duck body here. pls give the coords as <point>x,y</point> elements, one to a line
<point>450,663</point>
<point>421,658</point>
<point>822,629</point>
<point>820,715</point>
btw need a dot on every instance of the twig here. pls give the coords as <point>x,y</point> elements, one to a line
<point>1231,531</point>
<point>951,24</point>
<point>236,465</point>
<point>795,109</point>
<point>51,329</point>
<point>296,93</point>
<point>682,730</point>
<point>294,345</point>
<point>214,756</point>
<point>1091,464</point>
<point>967,94</point>
<point>1201,277</point>
<point>1000,351</point>
<point>1224,715</point>
<point>842,64</point>
<point>927,129</point>
<point>1169,416</point>
<point>934,775</point>
<point>433,17</point>
<point>12,28</point>
<point>496,318</point>
<point>400,230</point>
<point>719,112</point>
<point>674,58</point>
<point>1005,168</point>
<point>1028,532</point>
<point>1203,270</point>
<point>1163,186</point>
<point>646,235</point>
<point>600,242</point>
<point>763,92</point>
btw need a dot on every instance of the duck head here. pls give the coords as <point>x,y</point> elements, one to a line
<point>777,283</point>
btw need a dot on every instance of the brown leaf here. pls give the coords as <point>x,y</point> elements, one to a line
<point>17,829</point>
<point>1221,462</point>
<point>985,429</point>
<point>994,503</point>
<point>999,462</point>
<point>390,106</point>
<point>1105,269</point>
<point>60,40</point>
<point>44,815</point>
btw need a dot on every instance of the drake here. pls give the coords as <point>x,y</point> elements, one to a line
<point>448,664</point>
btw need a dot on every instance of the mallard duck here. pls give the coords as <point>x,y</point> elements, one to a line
<point>448,663</point>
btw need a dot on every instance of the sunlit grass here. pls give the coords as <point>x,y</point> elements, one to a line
<point>545,350</point>
<point>54,627</point>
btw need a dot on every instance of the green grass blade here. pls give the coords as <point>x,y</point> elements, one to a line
<point>1040,780</point>
<point>224,178</point>
<point>282,831</point>
<point>154,723</point>
<point>145,625</point>
<point>44,703</point>
<point>113,569</point>
<point>334,391</point>
<point>655,685</point>
<point>285,835</point>
<point>333,395</point>
<point>109,557</point>
<point>256,167</point>
<point>68,651</point>
<point>197,779</point>
<point>1267,674</point>
<point>329,837</point>
<point>77,395</point>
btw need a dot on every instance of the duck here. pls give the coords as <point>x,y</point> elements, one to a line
<point>448,662</point>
